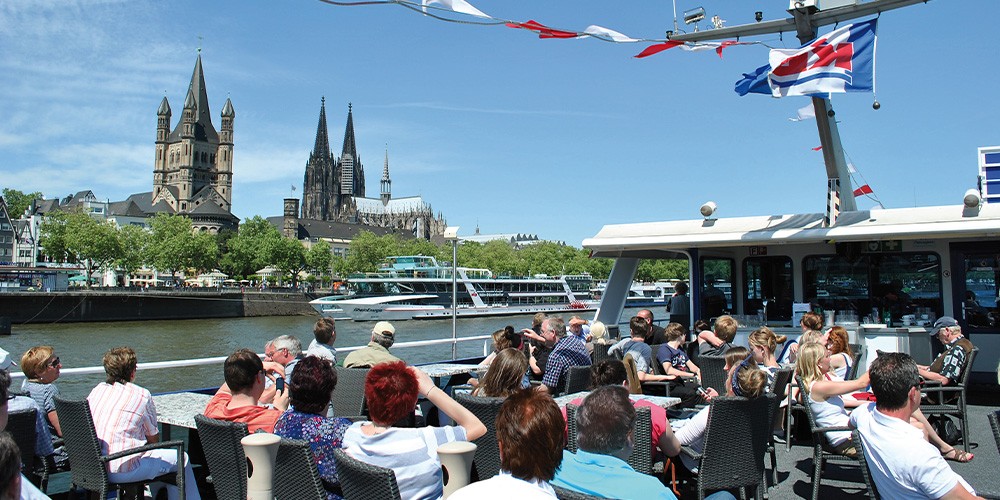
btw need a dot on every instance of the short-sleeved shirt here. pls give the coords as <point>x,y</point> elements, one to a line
<point>607,477</point>
<point>504,486</point>
<point>640,351</point>
<point>950,362</point>
<point>707,349</point>
<point>657,418</point>
<point>566,353</point>
<point>322,351</point>
<point>257,418</point>
<point>369,356</point>
<point>43,437</point>
<point>411,453</point>
<point>902,463</point>
<point>675,356</point>
<point>124,415</point>
<point>323,435</point>
<point>44,395</point>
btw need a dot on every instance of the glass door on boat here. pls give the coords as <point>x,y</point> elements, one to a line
<point>768,279</point>
<point>975,287</point>
<point>716,288</point>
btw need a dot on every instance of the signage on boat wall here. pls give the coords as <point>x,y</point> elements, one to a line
<point>885,246</point>
<point>758,251</point>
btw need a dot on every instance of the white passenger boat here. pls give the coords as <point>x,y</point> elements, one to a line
<point>417,287</point>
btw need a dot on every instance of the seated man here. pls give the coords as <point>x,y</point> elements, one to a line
<point>125,417</point>
<point>287,351</point>
<point>236,400</point>
<point>325,333</point>
<point>605,433</point>
<point>655,334</point>
<point>902,463</point>
<point>641,352</point>
<point>716,343</point>
<point>567,352</point>
<point>947,367</point>
<point>530,437</point>
<point>377,351</point>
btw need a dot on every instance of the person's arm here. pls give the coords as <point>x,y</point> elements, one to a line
<point>934,376</point>
<point>527,332</point>
<point>693,368</point>
<point>959,493</point>
<point>827,388</point>
<point>474,428</point>
<point>710,337</point>
<point>54,420</point>
<point>649,377</point>
<point>837,361</point>
<point>532,362</point>
<point>668,442</point>
<point>281,399</point>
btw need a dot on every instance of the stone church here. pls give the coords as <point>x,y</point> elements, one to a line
<point>334,190</point>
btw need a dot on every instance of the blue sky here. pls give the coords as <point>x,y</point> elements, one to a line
<point>491,125</point>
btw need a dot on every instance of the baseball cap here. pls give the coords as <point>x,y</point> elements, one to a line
<point>943,322</point>
<point>384,328</point>
<point>6,360</point>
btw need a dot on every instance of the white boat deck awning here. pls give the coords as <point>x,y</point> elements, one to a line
<point>863,225</point>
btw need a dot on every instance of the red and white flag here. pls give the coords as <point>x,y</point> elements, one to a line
<point>863,190</point>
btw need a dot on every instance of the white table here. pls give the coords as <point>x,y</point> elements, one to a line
<point>661,401</point>
<point>178,409</point>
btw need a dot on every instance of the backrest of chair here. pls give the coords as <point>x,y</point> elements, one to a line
<point>295,472</point>
<point>641,458</point>
<point>568,494</point>
<point>995,424</point>
<point>657,366</point>
<point>781,379</point>
<point>600,353</point>
<point>577,379</point>
<point>632,372</point>
<point>362,481</point>
<point>224,455</point>
<point>349,396</point>
<point>967,369</point>
<point>21,427</point>
<point>856,362</point>
<point>487,458</point>
<point>863,460</point>
<point>856,348</point>
<point>735,442</point>
<point>82,446</point>
<point>713,372</point>
<point>571,427</point>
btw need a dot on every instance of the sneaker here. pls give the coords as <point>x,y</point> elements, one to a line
<point>779,437</point>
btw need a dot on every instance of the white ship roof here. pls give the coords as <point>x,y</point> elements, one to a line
<point>863,225</point>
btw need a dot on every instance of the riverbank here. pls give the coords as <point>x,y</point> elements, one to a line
<point>134,305</point>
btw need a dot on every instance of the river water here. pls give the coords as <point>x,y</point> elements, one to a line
<point>83,344</point>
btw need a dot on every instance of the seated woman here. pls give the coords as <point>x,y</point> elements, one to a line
<point>598,336</point>
<point>763,342</point>
<point>745,380</point>
<point>313,381</point>
<point>391,391</point>
<point>811,324</point>
<point>505,376</point>
<point>41,369</point>
<point>841,355</point>
<point>503,338</point>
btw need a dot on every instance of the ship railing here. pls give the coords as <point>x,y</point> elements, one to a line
<point>218,360</point>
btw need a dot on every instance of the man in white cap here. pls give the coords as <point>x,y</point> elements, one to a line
<point>377,351</point>
<point>947,367</point>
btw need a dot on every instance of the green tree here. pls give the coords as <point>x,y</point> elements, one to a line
<point>251,249</point>
<point>203,253</point>
<point>18,201</point>
<point>319,259</point>
<point>174,247</point>
<point>367,251</point>
<point>134,242</point>
<point>289,257</point>
<point>78,237</point>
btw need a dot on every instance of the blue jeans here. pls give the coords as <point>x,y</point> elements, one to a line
<point>156,463</point>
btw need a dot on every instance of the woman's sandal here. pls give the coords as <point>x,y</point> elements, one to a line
<point>959,456</point>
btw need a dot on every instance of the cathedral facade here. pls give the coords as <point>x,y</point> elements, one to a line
<point>334,190</point>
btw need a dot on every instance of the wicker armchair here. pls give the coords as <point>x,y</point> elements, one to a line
<point>641,458</point>
<point>349,396</point>
<point>780,388</point>
<point>734,444</point>
<point>567,494</point>
<point>224,456</point>
<point>995,425</point>
<point>295,472</point>
<point>21,426</point>
<point>487,460</point>
<point>89,468</point>
<point>855,370</point>
<point>362,481</point>
<point>822,453</point>
<point>950,399</point>
<point>577,379</point>
<point>863,460</point>
<point>600,353</point>
<point>713,372</point>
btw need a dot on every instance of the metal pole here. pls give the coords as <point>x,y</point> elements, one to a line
<point>454,299</point>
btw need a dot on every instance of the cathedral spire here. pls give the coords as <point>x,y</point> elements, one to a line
<point>197,87</point>
<point>322,147</point>
<point>350,148</point>
<point>386,191</point>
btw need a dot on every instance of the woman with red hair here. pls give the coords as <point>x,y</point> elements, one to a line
<point>391,391</point>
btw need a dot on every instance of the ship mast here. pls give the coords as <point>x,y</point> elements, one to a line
<point>806,17</point>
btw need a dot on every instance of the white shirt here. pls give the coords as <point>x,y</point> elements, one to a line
<point>693,434</point>
<point>902,463</point>
<point>505,487</point>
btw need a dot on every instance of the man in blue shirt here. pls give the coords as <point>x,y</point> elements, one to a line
<point>567,352</point>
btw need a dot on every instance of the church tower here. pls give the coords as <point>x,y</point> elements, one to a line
<point>162,133</point>
<point>352,172</point>
<point>319,187</point>
<point>386,190</point>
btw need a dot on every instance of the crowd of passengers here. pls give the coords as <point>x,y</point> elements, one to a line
<point>288,390</point>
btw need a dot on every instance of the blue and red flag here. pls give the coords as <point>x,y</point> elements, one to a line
<point>840,61</point>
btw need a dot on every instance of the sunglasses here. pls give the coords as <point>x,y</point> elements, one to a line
<point>55,362</point>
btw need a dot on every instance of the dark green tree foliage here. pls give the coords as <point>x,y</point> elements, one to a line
<point>252,248</point>
<point>173,247</point>
<point>78,237</point>
<point>18,201</point>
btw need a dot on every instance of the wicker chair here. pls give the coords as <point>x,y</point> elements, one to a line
<point>89,468</point>
<point>224,456</point>
<point>822,453</point>
<point>734,444</point>
<point>349,396</point>
<point>713,372</point>
<point>600,353</point>
<point>362,481</point>
<point>780,389</point>
<point>567,494</point>
<point>855,370</point>
<point>487,460</point>
<point>995,424</point>
<point>295,473</point>
<point>21,426</point>
<point>939,398</point>
<point>577,379</point>
<point>634,385</point>
<point>642,452</point>
<point>863,460</point>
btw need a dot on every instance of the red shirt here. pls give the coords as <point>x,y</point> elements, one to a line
<point>256,417</point>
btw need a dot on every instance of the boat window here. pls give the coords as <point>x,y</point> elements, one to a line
<point>907,285</point>
<point>716,289</point>
<point>980,297</point>
<point>767,284</point>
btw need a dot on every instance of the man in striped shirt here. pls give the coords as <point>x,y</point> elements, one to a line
<point>124,417</point>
